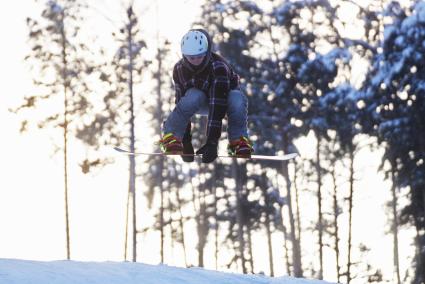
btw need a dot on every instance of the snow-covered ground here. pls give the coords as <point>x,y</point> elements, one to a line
<point>72,272</point>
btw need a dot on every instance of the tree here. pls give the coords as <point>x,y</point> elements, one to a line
<point>340,108</point>
<point>61,62</point>
<point>395,97</point>
<point>115,122</point>
<point>128,53</point>
<point>154,177</point>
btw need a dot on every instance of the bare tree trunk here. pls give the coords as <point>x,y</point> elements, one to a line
<point>181,224</point>
<point>395,226</point>
<point>336,227</point>
<point>65,154</point>
<point>132,185</point>
<point>159,116</point>
<point>269,244</point>
<point>161,224</point>
<point>296,248</point>
<point>233,244</point>
<point>350,215</point>
<point>296,252</point>
<point>132,178</point>
<point>286,250</point>
<point>201,227</point>
<point>285,237</point>
<point>216,225</point>
<point>65,136</point>
<point>126,225</point>
<point>418,253</point>
<point>319,205</point>
<point>173,230</point>
<point>199,221</point>
<point>239,216</point>
<point>296,243</point>
<point>195,208</point>
<point>297,204</point>
<point>251,255</point>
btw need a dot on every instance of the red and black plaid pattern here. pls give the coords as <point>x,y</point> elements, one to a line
<point>216,78</point>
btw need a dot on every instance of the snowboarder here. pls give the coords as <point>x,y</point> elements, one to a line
<point>206,84</point>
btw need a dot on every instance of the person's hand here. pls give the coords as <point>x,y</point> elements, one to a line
<point>208,152</point>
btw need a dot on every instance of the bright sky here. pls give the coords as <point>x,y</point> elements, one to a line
<point>31,178</point>
<point>31,183</point>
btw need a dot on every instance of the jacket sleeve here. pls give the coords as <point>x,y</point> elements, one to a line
<point>178,88</point>
<point>218,92</point>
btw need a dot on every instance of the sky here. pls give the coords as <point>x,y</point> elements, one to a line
<point>31,176</point>
<point>31,183</point>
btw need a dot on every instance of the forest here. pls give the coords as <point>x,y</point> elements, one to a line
<point>345,76</point>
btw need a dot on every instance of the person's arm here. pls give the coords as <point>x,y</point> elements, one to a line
<point>178,88</point>
<point>218,100</point>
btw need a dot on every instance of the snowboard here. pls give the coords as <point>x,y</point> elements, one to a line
<point>252,157</point>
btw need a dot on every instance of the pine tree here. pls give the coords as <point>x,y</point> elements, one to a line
<point>340,109</point>
<point>115,123</point>
<point>127,53</point>
<point>154,177</point>
<point>394,96</point>
<point>62,64</point>
<point>307,79</point>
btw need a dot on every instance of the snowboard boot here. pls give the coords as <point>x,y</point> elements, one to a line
<point>170,144</point>
<point>241,148</point>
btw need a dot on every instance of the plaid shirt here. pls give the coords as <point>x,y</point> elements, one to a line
<point>216,79</point>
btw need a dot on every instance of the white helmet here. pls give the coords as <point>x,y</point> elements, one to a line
<point>194,43</point>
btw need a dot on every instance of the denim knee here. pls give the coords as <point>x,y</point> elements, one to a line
<point>191,102</point>
<point>237,102</point>
<point>237,113</point>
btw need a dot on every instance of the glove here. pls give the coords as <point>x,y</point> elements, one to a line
<point>188,148</point>
<point>208,152</point>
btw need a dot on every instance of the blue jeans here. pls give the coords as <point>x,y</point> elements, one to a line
<point>196,102</point>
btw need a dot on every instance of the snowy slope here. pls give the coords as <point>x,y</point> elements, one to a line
<point>72,272</point>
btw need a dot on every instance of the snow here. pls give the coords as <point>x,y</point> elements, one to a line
<point>389,31</point>
<point>55,7</point>
<point>13,271</point>
<point>392,125</point>
<point>420,10</point>
<point>418,17</point>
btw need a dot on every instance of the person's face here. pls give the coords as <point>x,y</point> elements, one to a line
<point>195,59</point>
